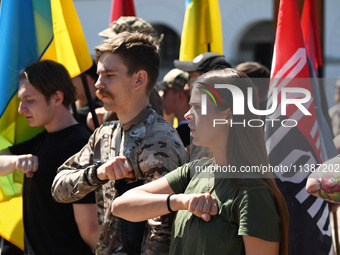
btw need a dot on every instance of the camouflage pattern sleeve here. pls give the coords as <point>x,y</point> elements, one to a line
<point>161,152</point>
<point>77,176</point>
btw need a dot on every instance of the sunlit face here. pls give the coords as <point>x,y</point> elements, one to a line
<point>202,126</point>
<point>114,85</point>
<point>170,97</point>
<point>33,105</point>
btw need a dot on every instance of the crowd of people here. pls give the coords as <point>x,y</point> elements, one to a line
<point>136,184</point>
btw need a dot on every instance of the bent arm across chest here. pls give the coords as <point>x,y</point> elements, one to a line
<point>76,177</point>
<point>71,185</point>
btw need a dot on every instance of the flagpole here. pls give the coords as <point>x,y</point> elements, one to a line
<point>75,113</point>
<point>89,99</point>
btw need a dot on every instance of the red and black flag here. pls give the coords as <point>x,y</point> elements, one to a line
<point>292,135</point>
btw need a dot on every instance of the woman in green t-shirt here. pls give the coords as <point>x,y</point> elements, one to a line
<point>229,204</point>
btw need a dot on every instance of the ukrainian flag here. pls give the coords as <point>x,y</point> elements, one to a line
<point>31,30</point>
<point>202,29</point>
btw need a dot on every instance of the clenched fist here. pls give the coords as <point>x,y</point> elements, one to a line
<point>115,169</point>
<point>202,205</point>
<point>28,164</point>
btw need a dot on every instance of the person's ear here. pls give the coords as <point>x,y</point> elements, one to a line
<point>58,98</point>
<point>141,79</point>
<point>229,114</point>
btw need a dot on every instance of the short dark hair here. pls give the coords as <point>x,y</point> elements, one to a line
<point>138,51</point>
<point>48,77</point>
<point>255,70</point>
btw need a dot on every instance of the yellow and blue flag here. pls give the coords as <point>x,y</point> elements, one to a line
<point>202,29</point>
<point>31,30</point>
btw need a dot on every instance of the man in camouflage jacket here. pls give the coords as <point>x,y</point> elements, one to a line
<point>141,146</point>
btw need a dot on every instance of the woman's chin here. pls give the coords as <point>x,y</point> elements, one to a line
<point>196,142</point>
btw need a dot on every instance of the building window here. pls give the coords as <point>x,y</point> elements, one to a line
<point>257,44</point>
<point>169,48</point>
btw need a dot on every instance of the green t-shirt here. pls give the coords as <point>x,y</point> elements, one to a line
<point>250,211</point>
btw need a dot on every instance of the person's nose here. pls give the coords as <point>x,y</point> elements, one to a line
<point>188,116</point>
<point>100,83</point>
<point>22,107</point>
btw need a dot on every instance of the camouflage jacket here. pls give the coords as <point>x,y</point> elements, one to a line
<point>153,148</point>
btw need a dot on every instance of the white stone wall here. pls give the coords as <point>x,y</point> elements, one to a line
<point>331,46</point>
<point>237,16</point>
<point>165,12</point>
<point>94,16</point>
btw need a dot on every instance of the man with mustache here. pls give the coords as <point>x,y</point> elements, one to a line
<point>139,148</point>
<point>127,24</point>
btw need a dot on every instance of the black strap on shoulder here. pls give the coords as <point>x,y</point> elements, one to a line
<point>131,232</point>
<point>121,185</point>
<point>118,140</point>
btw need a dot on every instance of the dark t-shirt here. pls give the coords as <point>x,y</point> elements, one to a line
<point>50,227</point>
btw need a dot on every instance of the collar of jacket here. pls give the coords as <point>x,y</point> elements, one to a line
<point>140,117</point>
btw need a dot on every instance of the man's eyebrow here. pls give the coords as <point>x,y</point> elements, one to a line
<point>106,71</point>
<point>25,96</point>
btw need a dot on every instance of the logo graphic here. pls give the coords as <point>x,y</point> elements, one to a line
<point>204,97</point>
<point>289,96</point>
